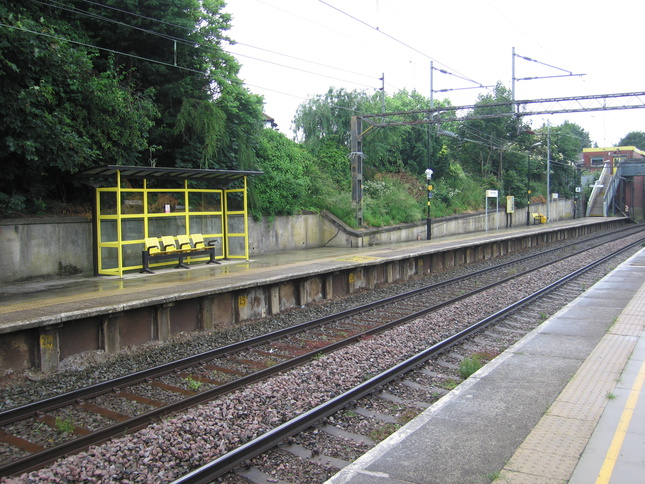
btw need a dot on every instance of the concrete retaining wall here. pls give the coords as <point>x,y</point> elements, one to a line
<point>37,248</point>
<point>47,247</point>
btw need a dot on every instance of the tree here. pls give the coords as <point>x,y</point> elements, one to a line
<point>634,138</point>
<point>59,114</point>
<point>485,141</point>
<point>565,144</point>
<point>326,118</point>
<point>284,187</point>
<point>208,118</point>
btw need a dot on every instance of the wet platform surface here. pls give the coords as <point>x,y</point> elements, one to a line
<point>562,405</point>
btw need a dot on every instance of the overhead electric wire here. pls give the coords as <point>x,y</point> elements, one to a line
<point>302,60</point>
<point>393,38</point>
<point>54,4</point>
<point>66,8</point>
<point>90,46</point>
<point>303,70</point>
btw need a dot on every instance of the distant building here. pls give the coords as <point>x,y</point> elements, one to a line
<point>596,158</point>
<point>269,122</point>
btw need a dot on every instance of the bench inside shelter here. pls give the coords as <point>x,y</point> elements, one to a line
<point>164,248</point>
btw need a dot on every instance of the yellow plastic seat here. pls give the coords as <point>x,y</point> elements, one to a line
<point>152,245</point>
<point>168,243</point>
<point>184,242</point>
<point>198,241</point>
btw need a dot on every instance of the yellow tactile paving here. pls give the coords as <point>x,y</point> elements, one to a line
<point>551,451</point>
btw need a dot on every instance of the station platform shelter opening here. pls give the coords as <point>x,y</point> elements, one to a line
<point>133,203</point>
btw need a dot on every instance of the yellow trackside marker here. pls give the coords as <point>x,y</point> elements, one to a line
<point>46,341</point>
<point>623,425</point>
<point>351,277</point>
<point>241,301</point>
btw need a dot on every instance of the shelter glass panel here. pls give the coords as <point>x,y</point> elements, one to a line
<point>236,224</point>
<point>205,201</point>
<point>160,226</point>
<point>132,202</point>
<point>132,229</point>
<point>205,224</point>
<point>236,247</point>
<point>131,254</point>
<point>166,202</point>
<point>235,201</point>
<point>109,258</point>
<point>108,231</point>
<point>107,199</point>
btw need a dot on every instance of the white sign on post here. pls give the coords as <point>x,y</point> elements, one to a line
<point>492,194</point>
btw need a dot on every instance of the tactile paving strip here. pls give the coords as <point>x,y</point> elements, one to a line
<point>551,451</point>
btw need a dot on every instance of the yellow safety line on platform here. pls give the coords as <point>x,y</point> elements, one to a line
<point>88,295</point>
<point>152,286</point>
<point>607,469</point>
<point>357,258</point>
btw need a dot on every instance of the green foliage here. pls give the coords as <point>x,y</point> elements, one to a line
<point>59,114</point>
<point>634,138</point>
<point>387,201</point>
<point>340,204</point>
<point>64,425</point>
<point>469,365</point>
<point>456,193</point>
<point>284,187</point>
<point>327,118</point>
<point>160,83</point>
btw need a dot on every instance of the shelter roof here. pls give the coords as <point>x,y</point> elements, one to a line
<point>154,173</point>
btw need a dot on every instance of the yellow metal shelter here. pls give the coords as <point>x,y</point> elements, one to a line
<point>142,205</point>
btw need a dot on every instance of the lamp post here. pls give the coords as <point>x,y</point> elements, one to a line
<point>528,183</point>
<point>429,173</point>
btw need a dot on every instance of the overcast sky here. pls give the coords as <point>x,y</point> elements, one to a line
<point>294,49</point>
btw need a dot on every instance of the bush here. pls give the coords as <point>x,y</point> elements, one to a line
<point>388,200</point>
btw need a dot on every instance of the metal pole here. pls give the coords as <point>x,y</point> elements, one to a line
<point>428,219</point>
<point>548,172</point>
<point>528,189</point>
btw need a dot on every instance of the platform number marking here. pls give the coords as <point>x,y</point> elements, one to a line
<point>241,301</point>
<point>46,341</point>
<point>352,278</point>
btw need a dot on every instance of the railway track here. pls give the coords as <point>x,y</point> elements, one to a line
<point>397,385</point>
<point>169,388</point>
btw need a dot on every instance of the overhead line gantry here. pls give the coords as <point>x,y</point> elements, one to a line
<point>444,114</point>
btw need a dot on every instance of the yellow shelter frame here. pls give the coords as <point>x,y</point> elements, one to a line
<point>125,216</point>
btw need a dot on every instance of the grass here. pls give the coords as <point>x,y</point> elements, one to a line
<point>611,396</point>
<point>449,384</point>
<point>493,476</point>
<point>407,416</point>
<point>193,384</point>
<point>65,425</point>
<point>384,431</point>
<point>470,365</point>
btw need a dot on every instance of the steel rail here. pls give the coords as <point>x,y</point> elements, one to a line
<point>229,461</point>
<point>49,455</point>
<point>68,398</point>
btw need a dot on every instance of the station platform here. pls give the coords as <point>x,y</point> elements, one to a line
<point>560,405</point>
<point>564,404</point>
<point>39,300</point>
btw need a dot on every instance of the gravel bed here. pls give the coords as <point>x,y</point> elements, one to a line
<point>95,367</point>
<point>167,449</point>
<point>324,444</point>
